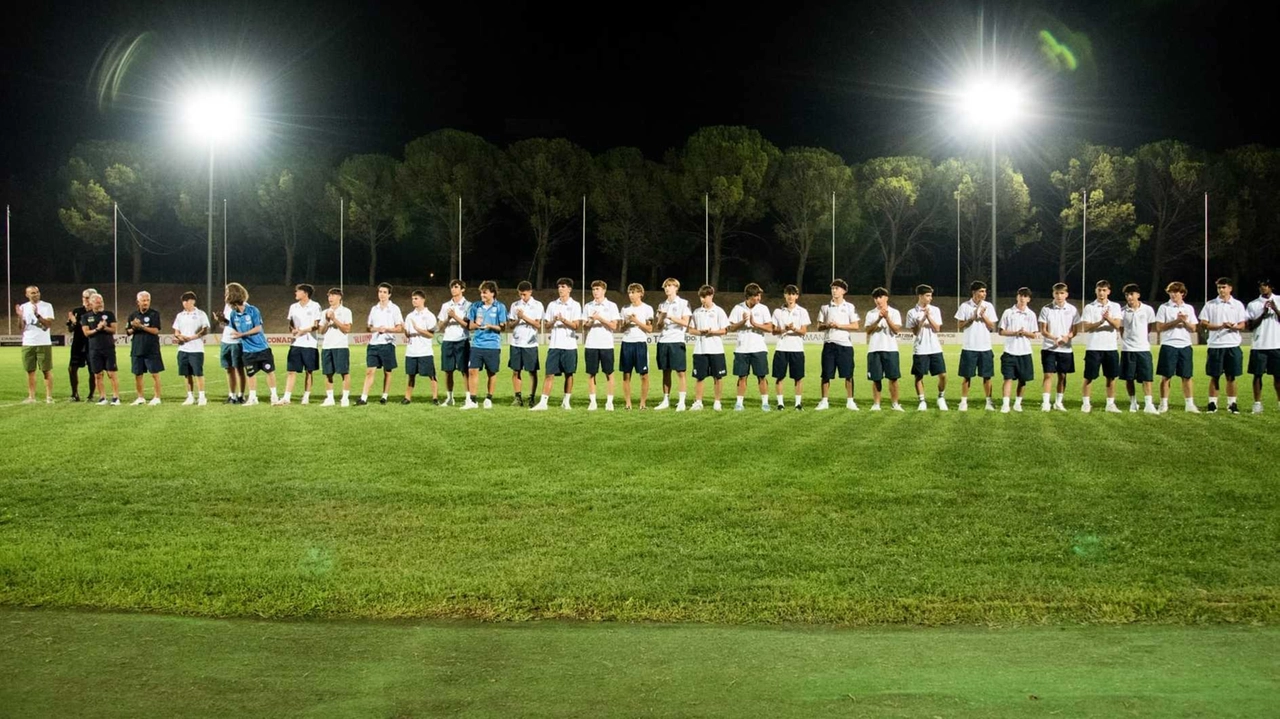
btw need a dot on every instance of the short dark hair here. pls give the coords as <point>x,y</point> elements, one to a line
<point>489,285</point>
<point>706,291</point>
<point>305,288</point>
<point>1265,282</point>
<point>457,283</point>
<point>924,290</point>
<point>599,283</point>
<point>335,291</point>
<point>566,281</point>
<point>524,286</point>
<point>837,282</point>
<point>1059,287</point>
<point>1102,283</point>
<point>879,292</point>
<point>386,285</point>
<point>1024,292</point>
<point>418,293</point>
<point>635,287</point>
<point>1225,281</point>
<point>752,289</point>
<point>977,285</point>
<point>790,290</point>
<point>1132,287</point>
<point>188,296</point>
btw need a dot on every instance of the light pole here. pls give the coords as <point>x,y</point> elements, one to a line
<point>214,116</point>
<point>991,106</point>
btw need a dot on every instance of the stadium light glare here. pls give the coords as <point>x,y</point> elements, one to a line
<point>991,105</point>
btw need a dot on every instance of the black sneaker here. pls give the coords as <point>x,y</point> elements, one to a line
<point>382,400</point>
<point>1213,407</point>
<point>1233,408</point>
<point>435,401</point>
<point>799,407</point>
<point>232,400</point>
<point>361,402</point>
<point>75,398</point>
<point>406,400</point>
<point>517,402</point>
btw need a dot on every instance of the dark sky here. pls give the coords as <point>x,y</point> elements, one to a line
<point>859,78</point>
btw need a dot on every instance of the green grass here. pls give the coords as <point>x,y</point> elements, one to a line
<point>107,665</point>
<point>834,518</point>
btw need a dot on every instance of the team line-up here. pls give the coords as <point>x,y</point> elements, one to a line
<point>1115,338</point>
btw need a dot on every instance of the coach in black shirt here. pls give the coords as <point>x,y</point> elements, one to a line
<point>99,326</point>
<point>79,347</point>
<point>144,327</point>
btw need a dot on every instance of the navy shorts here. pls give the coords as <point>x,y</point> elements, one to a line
<point>705,366</point>
<point>1264,362</point>
<point>523,359</point>
<point>1225,360</point>
<point>336,361</point>
<point>673,356</point>
<point>420,366</point>
<point>231,356</point>
<point>148,364</point>
<point>79,358</point>
<point>190,364</point>
<point>931,364</point>
<point>635,358</point>
<point>383,356</point>
<point>747,363</point>
<point>1052,362</point>
<point>599,360</point>
<point>1174,362</point>
<point>977,362</point>
<point>1017,367</point>
<point>102,360</point>
<point>1136,367</point>
<point>1106,362</point>
<point>488,359</point>
<point>881,365</point>
<point>788,363</point>
<point>836,360</point>
<point>261,361</point>
<point>454,356</point>
<point>561,362</point>
<point>303,359</point>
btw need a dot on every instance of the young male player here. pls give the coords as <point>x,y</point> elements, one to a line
<point>454,344</point>
<point>231,358</point>
<point>1018,326</point>
<point>79,347</point>
<point>524,319</point>
<point>1135,343</point>
<point>925,321</point>
<point>708,324</point>
<point>335,358</point>
<point>1100,324</point>
<point>673,318</point>
<point>144,328</point>
<point>1057,358</point>
<point>564,318</point>
<point>751,320</point>
<point>1224,316</point>
<point>486,318</point>
<point>1264,353</point>
<point>600,317</point>
<point>636,324</point>
<point>189,329</point>
<point>385,322</point>
<point>99,326</point>
<point>837,319</point>
<point>883,323</point>
<point>1175,321</point>
<point>419,327</point>
<point>37,344</point>
<point>977,320</point>
<point>304,320</point>
<point>790,322</point>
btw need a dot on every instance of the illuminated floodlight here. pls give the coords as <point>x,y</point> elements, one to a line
<point>990,105</point>
<point>217,115</point>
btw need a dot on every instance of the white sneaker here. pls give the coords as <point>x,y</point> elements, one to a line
<point>591,406</point>
<point>897,407</point>
<point>1151,409</point>
<point>1046,407</point>
<point>1017,408</point>
<point>470,404</point>
<point>488,403</point>
<point>1059,406</point>
<point>766,408</point>
<point>565,404</point>
<point>32,400</point>
<point>851,406</point>
<point>202,401</point>
<point>875,408</point>
<point>696,406</point>
<point>680,407</point>
<point>924,406</point>
<point>251,401</point>
<point>738,407</point>
<point>942,404</point>
<point>991,406</point>
<point>1191,408</point>
<point>822,404</point>
<point>541,406</point>
<point>1004,409</point>
<point>1111,408</point>
<point>136,402</point>
<point>154,401</point>
<point>717,407</point>
<point>281,402</point>
<point>964,405</point>
<point>1257,408</point>
<point>346,402</point>
<point>188,401</point>
<point>328,402</point>
<point>1086,408</point>
<point>305,400</point>
<point>608,406</point>
<point>48,400</point>
<point>664,404</point>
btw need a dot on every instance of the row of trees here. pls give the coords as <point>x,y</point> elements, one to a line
<point>899,214</point>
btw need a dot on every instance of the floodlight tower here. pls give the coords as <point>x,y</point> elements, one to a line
<point>214,116</point>
<point>992,106</point>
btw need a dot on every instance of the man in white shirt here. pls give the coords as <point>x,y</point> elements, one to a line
<point>1224,316</point>
<point>1264,352</point>
<point>419,328</point>
<point>838,318</point>
<point>637,323</point>
<point>1018,326</point>
<point>1135,353</point>
<point>751,320</point>
<point>231,357</point>
<point>189,329</point>
<point>336,356</point>
<point>37,344</point>
<point>883,323</point>
<point>708,324</point>
<point>790,323</point>
<point>977,320</point>
<point>673,320</point>
<point>600,317</point>
<point>1175,321</point>
<point>384,322</point>
<point>1100,324</point>
<point>304,320</point>
<point>1057,327</point>
<point>563,319</point>
<point>925,321</point>
<point>524,320</point>
<point>455,350</point>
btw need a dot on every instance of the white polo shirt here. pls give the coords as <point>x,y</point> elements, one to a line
<point>307,316</point>
<point>783,317</point>
<point>670,331</point>
<point>976,337</point>
<point>1266,336</point>
<point>189,323</point>
<point>561,336</point>
<point>709,319</point>
<point>925,342</point>
<point>380,316</point>
<point>525,334</point>
<point>227,329</point>
<point>1059,320</point>
<point>1217,312</point>
<point>843,313</point>
<point>1136,326</point>
<point>419,345</point>
<point>750,339</point>
<point>35,334</point>
<point>1106,338</point>
<point>454,331</point>
<point>882,339</point>
<point>1178,336</point>
<point>335,338</point>
<point>642,314</point>
<point>600,337</point>
<point>1015,319</point>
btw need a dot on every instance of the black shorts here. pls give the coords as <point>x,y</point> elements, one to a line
<point>930,364</point>
<point>1174,362</point>
<point>837,360</point>
<point>788,363</point>
<point>1052,362</point>
<point>882,365</point>
<point>635,358</point>
<point>147,364</point>
<point>1106,361</point>
<point>376,356</point>
<point>1135,366</point>
<point>454,356</point>
<point>488,359</point>
<point>262,361</point>
<point>420,366</point>
<point>190,364</point>
<point>705,366</point>
<point>231,356</point>
<point>747,363</point>
<point>561,362</point>
<point>1264,362</point>
<point>673,356</point>
<point>1017,367</point>
<point>523,359</point>
<point>336,361</point>
<point>102,360</point>
<point>599,360</point>
<point>1224,360</point>
<point>79,358</point>
<point>977,362</point>
<point>303,359</point>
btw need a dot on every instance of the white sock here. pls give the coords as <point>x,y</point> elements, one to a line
<point>1147,399</point>
<point>189,394</point>
<point>306,396</point>
<point>1111,401</point>
<point>1046,399</point>
<point>1189,403</point>
<point>253,394</point>
<point>591,396</point>
<point>544,399</point>
<point>764,401</point>
<point>1231,401</point>
<point>780,402</point>
<point>288,396</point>
<point>738,402</point>
<point>1004,402</point>
<point>682,397</point>
<point>667,396</point>
<point>1060,395</point>
<point>201,394</point>
<point>1017,402</point>
<point>328,394</point>
<point>384,395</point>
<point>797,401</point>
<point>346,394</point>
<point>274,396</point>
